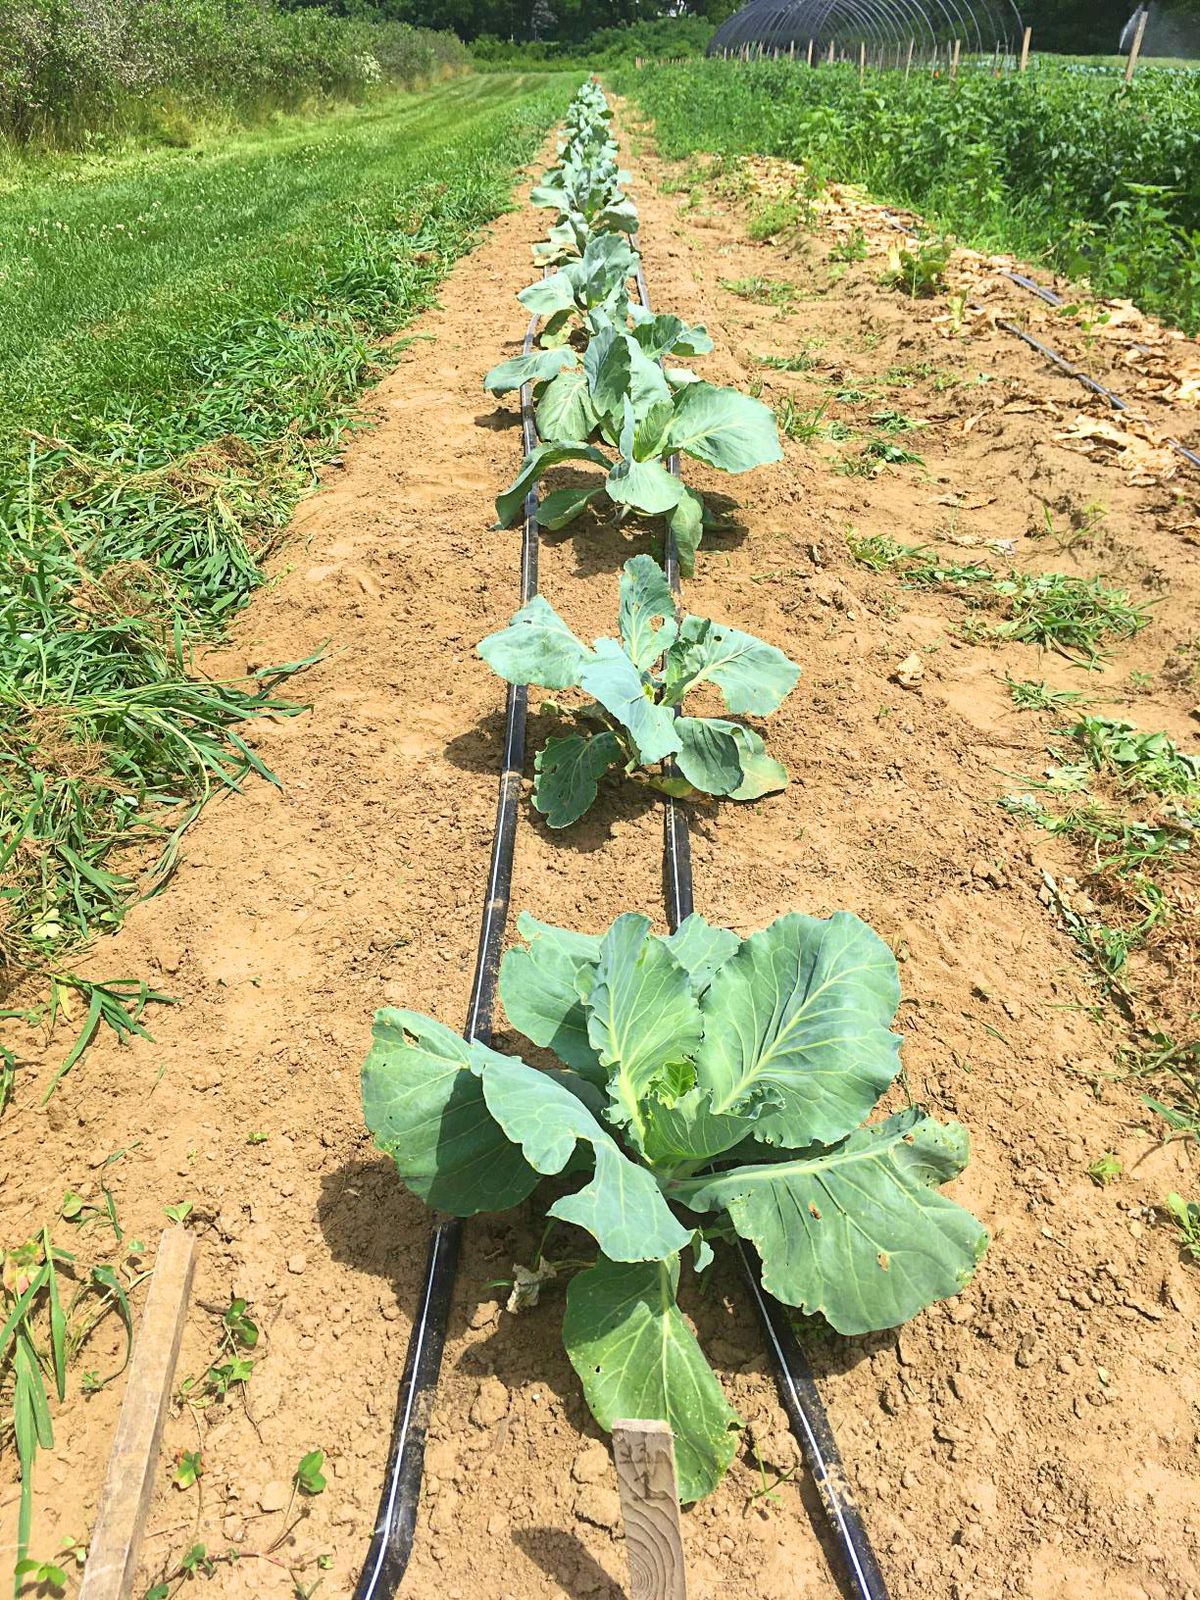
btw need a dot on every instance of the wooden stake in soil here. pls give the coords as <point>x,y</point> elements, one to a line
<point>129,1482</point>
<point>810,52</point>
<point>954,58</point>
<point>1136,48</point>
<point>644,1454</point>
<point>908,63</point>
<point>862,59</point>
<point>1025,48</point>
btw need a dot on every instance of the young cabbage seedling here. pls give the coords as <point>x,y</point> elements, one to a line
<point>704,1084</point>
<point>619,394</point>
<point>638,685</point>
<point>598,281</point>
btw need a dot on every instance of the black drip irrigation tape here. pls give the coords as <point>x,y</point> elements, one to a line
<point>392,1541</point>
<point>863,1579</point>
<point>1051,355</point>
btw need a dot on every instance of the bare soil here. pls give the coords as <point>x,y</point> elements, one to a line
<point>1036,1437</point>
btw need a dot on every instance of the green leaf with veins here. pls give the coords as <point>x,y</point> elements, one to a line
<point>565,411</point>
<point>539,366</point>
<point>562,506</point>
<point>685,523</point>
<point>687,1130</point>
<point>539,460</point>
<point>621,1206</point>
<point>540,992</point>
<point>723,428</point>
<point>646,613</point>
<point>425,1108</point>
<point>642,1015</point>
<point>761,773</point>
<point>549,295</point>
<point>803,1008</point>
<point>651,430</point>
<point>752,676</point>
<point>701,949</point>
<point>606,363</point>
<point>645,486</point>
<point>537,647</point>
<point>568,771</point>
<point>858,1233</point>
<point>611,677</point>
<point>665,334</point>
<point>709,756</point>
<point>637,1357</point>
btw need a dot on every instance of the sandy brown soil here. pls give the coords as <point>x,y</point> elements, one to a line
<point>1036,1437</point>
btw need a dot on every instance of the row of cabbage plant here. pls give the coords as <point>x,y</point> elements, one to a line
<point>692,1087</point>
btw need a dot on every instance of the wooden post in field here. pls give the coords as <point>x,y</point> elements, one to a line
<point>644,1455</point>
<point>129,1481</point>
<point>831,52</point>
<point>1135,49</point>
<point>908,63</point>
<point>1025,48</point>
<point>862,59</point>
<point>810,52</point>
<point>955,57</point>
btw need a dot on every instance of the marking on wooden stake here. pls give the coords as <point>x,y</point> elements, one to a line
<point>644,1454</point>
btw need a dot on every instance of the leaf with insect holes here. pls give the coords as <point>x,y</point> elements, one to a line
<point>540,992</point>
<point>637,1357</point>
<point>309,1479</point>
<point>611,677</point>
<point>567,774</point>
<point>803,1008</point>
<point>753,676</point>
<point>646,614</point>
<point>858,1232</point>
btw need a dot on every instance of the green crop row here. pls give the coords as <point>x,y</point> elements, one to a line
<point>701,1085</point>
<point>1097,179</point>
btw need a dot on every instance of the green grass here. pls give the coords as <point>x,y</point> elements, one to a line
<point>1076,616</point>
<point>182,338</point>
<point>117,273</point>
<point>761,291</point>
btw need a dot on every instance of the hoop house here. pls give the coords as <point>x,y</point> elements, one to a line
<point>784,27</point>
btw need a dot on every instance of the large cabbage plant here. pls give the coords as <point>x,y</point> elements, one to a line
<point>696,1086</point>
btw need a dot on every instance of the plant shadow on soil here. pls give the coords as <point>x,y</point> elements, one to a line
<point>481,750</point>
<point>501,420</point>
<point>565,1560</point>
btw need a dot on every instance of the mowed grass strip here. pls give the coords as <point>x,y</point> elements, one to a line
<point>182,338</point>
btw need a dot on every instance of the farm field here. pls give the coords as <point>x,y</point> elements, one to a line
<point>982,575</point>
<point>1060,165</point>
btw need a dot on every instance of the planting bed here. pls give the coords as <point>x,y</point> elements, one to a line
<point>1035,1436</point>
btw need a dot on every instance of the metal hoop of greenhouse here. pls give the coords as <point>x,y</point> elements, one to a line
<point>890,30</point>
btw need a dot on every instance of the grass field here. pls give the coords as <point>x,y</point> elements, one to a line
<point>182,337</point>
